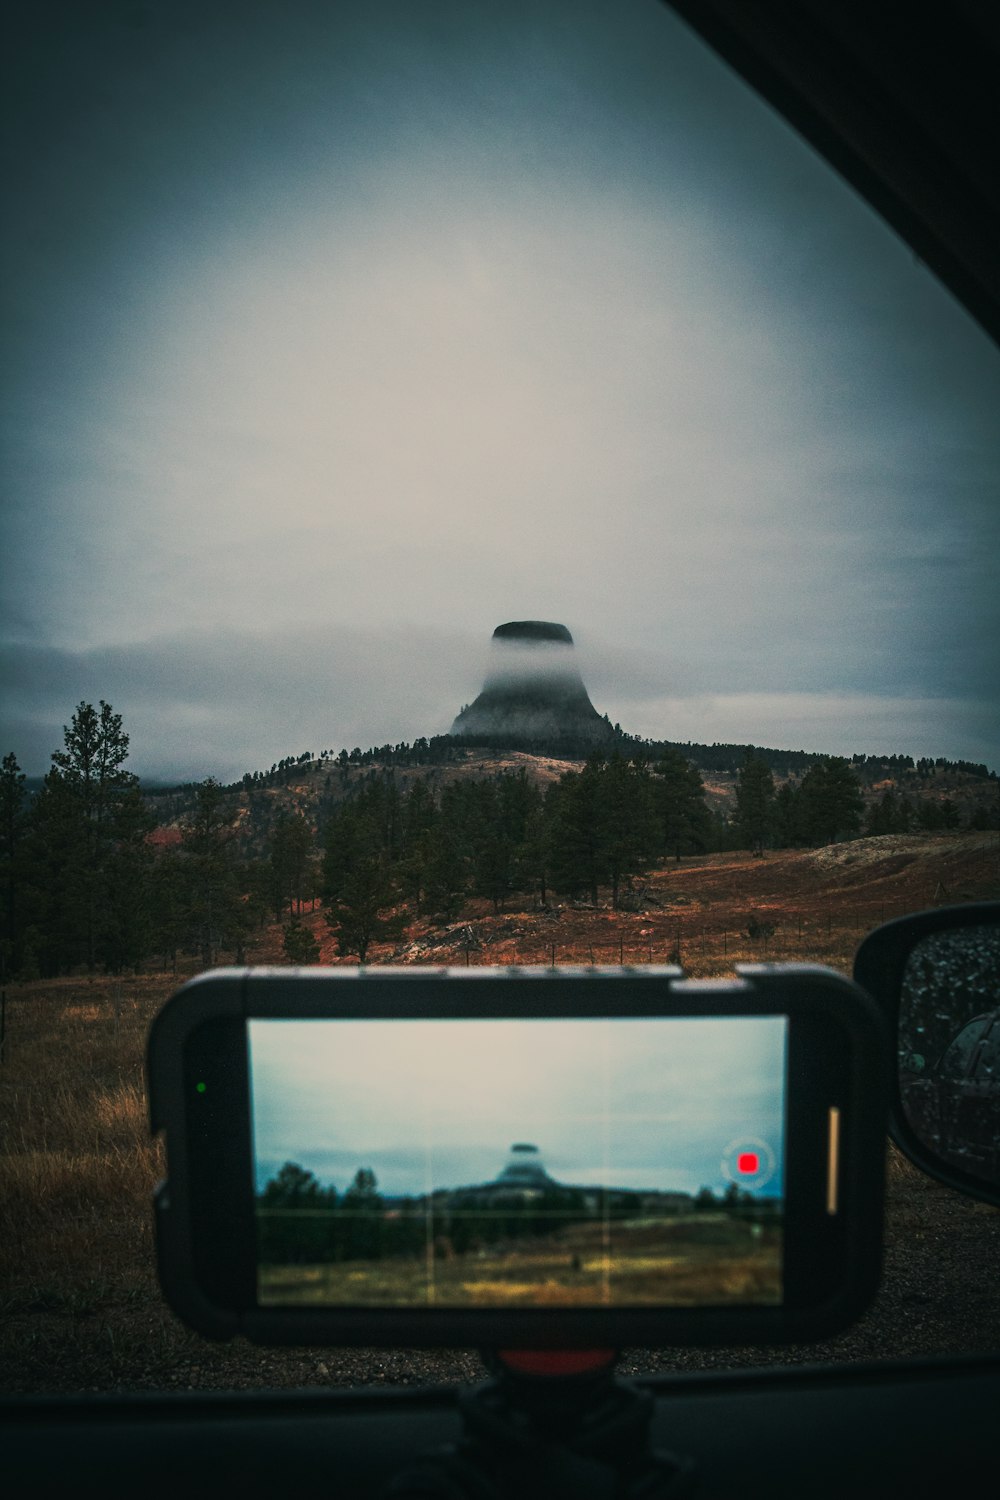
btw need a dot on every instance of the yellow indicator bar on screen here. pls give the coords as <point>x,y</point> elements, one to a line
<point>833,1161</point>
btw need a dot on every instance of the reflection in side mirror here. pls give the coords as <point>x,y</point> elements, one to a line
<point>949,1047</point>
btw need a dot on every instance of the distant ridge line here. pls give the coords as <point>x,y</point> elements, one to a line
<point>719,756</point>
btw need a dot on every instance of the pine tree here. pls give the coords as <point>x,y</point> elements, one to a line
<point>126,928</point>
<point>12,830</point>
<point>445,870</point>
<point>291,845</point>
<point>890,814</point>
<point>300,945</point>
<point>787,819</point>
<point>679,794</point>
<point>578,860</point>
<point>830,802</point>
<point>358,885</point>
<point>88,831</point>
<point>628,825</point>
<point>216,912</point>
<point>533,850</point>
<point>755,803</point>
<point>169,905</point>
<point>419,818</point>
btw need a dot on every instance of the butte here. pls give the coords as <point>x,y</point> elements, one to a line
<point>533,692</point>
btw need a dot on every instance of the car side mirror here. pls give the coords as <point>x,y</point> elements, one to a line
<point>936,976</point>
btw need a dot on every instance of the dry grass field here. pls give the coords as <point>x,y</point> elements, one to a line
<point>643,1265</point>
<point>79,1303</point>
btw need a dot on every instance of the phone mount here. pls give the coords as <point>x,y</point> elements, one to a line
<point>547,1425</point>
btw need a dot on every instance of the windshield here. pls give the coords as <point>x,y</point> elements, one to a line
<point>507,501</point>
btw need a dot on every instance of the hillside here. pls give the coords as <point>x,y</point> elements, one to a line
<point>805,905</point>
<point>313,786</point>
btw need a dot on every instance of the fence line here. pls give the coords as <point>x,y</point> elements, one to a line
<point>787,937</point>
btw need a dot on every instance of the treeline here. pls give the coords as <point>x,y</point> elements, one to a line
<point>300,1222</point>
<point>443,749</point>
<point>84,883</point>
<point>826,805</point>
<point>386,852</point>
<point>87,879</point>
<point>87,883</point>
<point>436,750</point>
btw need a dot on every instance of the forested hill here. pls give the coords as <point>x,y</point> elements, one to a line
<point>449,753</point>
<point>96,871</point>
<point>952,793</point>
<point>445,751</point>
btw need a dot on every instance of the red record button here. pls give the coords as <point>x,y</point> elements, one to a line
<point>749,1163</point>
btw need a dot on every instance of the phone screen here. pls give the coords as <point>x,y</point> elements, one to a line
<point>529,1162</point>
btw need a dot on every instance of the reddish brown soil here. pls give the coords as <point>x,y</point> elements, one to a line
<point>820,902</point>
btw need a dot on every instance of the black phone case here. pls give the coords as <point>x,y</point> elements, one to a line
<point>207,1273</point>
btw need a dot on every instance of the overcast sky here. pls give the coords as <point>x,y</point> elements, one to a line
<point>337,334</point>
<point>664,1104</point>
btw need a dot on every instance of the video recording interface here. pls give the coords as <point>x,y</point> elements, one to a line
<point>531,1162</point>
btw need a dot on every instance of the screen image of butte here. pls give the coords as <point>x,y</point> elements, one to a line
<point>532,1162</point>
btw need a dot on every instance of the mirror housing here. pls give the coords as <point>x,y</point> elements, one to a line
<point>936,977</point>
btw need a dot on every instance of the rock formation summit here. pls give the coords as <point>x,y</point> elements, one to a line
<point>533,690</point>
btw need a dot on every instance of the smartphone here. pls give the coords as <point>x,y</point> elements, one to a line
<point>531,1158</point>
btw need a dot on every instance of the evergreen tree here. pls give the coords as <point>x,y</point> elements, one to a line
<point>358,885</point>
<point>169,905</point>
<point>533,849</point>
<point>755,803</point>
<point>578,859</point>
<point>629,826</point>
<point>126,930</point>
<point>300,945</point>
<point>494,866</point>
<point>87,840</point>
<point>419,818</point>
<point>12,830</point>
<point>444,875</point>
<point>215,909</point>
<point>929,816</point>
<point>296,1224</point>
<point>362,1207</point>
<point>448,856</point>
<point>602,825</point>
<point>787,820</point>
<point>830,802</point>
<point>679,795</point>
<point>890,814</point>
<point>291,845</point>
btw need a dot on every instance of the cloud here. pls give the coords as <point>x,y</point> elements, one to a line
<point>221,703</point>
<point>337,339</point>
<point>830,723</point>
<point>605,1100</point>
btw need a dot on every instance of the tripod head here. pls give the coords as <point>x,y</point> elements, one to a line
<point>549,1423</point>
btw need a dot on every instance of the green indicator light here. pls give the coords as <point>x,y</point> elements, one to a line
<point>199,1088</point>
